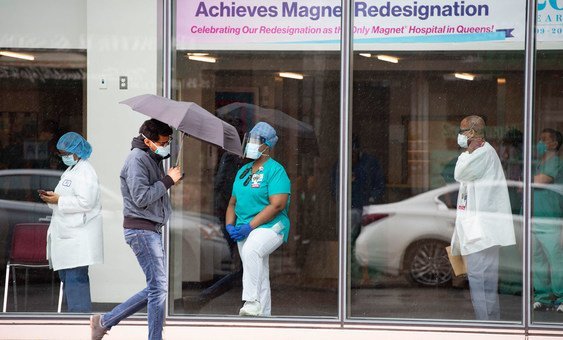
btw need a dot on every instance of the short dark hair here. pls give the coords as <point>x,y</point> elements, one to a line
<point>556,135</point>
<point>153,128</point>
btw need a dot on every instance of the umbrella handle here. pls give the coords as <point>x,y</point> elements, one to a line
<point>180,148</point>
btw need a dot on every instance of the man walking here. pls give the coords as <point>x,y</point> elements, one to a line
<point>483,218</point>
<point>146,209</point>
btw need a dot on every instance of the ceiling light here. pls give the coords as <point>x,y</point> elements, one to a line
<point>367,55</point>
<point>17,55</point>
<point>291,75</point>
<point>501,81</point>
<point>464,76</point>
<point>388,58</point>
<point>202,58</point>
<point>199,54</point>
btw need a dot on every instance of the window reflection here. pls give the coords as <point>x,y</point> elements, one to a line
<point>546,168</point>
<point>243,89</point>
<point>409,118</point>
<point>41,100</point>
<point>547,200</point>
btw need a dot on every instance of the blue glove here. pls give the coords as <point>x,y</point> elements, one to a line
<point>242,232</point>
<point>231,229</point>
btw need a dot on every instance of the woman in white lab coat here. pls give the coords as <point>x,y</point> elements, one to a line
<point>74,239</point>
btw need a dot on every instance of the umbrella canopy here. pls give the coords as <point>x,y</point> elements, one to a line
<point>250,114</point>
<point>189,118</point>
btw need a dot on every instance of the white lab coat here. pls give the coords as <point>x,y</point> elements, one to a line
<point>484,218</point>
<point>75,236</point>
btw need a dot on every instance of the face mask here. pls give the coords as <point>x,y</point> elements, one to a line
<point>162,151</point>
<point>252,151</point>
<point>541,148</point>
<point>69,160</point>
<point>462,140</point>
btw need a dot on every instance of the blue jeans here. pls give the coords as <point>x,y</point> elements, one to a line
<point>147,246</point>
<point>76,288</point>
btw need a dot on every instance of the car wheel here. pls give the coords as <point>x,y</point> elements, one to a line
<point>426,263</point>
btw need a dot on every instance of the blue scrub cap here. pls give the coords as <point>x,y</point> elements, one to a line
<point>267,132</point>
<point>74,143</point>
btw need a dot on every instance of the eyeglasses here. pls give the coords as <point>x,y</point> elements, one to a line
<point>244,173</point>
<point>170,138</point>
<point>461,131</point>
<point>165,143</point>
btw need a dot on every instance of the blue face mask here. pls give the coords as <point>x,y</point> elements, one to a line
<point>162,151</point>
<point>541,148</point>
<point>69,160</point>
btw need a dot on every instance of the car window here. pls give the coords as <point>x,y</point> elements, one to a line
<point>21,188</point>
<point>49,182</point>
<point>515,195</point>
<point>449,199</point>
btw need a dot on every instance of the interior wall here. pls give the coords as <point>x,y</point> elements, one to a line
<point>118,45</point>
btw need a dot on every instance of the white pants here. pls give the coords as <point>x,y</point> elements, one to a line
<point>255,252</point>
<point>482,272</point>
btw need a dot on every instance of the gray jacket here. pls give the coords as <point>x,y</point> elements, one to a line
<point>144,187</point>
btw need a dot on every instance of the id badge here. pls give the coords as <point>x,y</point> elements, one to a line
<point>462,202</point>
<point>256,180</point>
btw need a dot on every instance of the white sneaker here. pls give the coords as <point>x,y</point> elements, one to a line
<point>539,306</point>
<point>250,308</point>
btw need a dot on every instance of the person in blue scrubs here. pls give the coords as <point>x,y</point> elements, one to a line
<point>257,217</point>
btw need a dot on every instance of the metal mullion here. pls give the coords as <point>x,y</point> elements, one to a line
<point>529,86</point>
<point>346,48</point>
<point>165,35</point>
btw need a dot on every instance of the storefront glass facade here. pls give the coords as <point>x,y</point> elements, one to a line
<point>367,116</point>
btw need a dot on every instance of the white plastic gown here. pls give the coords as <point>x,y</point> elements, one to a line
<point>75,236</point>
<point>484,216</point>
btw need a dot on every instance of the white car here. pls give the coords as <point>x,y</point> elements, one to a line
<point>409,237</point>
<point>20,203</point>
<point>205,251</point>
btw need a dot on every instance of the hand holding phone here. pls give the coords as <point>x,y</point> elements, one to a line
<point>42,192</point>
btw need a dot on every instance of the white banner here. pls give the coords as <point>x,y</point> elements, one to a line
<point>378,24</point>
<point>549,24</point>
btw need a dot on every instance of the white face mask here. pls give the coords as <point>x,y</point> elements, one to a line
<point>462,140</point>
<point>252,151</point>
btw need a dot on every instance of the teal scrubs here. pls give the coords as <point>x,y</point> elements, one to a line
<point>547,254</point>
<point>252,198</point>
<point>547,203</point>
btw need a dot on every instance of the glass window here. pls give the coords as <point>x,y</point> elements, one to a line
<point>41,99</point>
<point>295,89</point>
<point>20,188</point>
<point>414,83</point>
<point>547,167</point>
<point>244,89</point>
